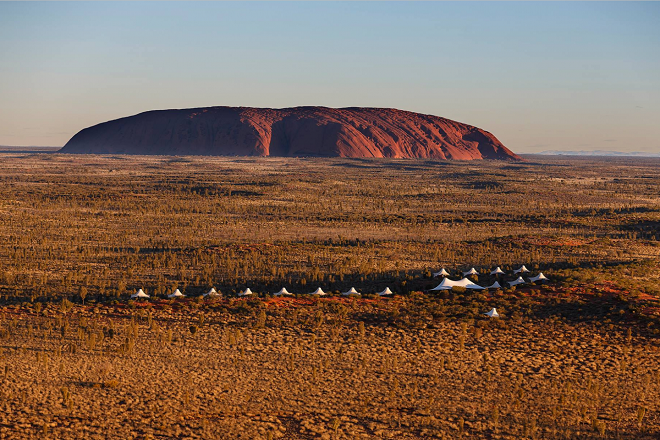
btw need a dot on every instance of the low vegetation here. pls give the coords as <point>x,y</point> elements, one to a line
<point>576,357</point>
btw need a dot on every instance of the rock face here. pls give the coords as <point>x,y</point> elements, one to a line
<point>298,131</point>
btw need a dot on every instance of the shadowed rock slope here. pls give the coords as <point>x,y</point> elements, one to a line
<point>299,131</point>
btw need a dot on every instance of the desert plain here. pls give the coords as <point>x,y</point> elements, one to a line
<point>575,357</point>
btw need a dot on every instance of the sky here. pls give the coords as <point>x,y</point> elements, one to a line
<point>538,75</point>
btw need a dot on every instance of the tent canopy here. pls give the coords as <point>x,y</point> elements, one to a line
<point>282,291</point>
<point>176,294</point>
<point>519,280</point>
<point>352,291</point>
<point>521,269</point>
<point>245,292</point>
<point>539,277</point>
<point>447,284</point>
<point>140,294</point>
<point>211,292</point>
<point>495,285</point>
<point>385,292</point>
<point>441,273</point>
<point>497,271</point>
<point>318,291</point>
<point>472,271</point>
<point>492,313</point>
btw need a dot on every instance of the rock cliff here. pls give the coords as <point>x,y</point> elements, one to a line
<point>298,131</point>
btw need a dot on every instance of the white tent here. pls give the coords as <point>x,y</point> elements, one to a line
<point>140,294</point>
<point>176,294</point>
<point>246,292</point>
<point>212,292</point>
<point>282,291</point>
<point>447,284</point>
<point>539,277</point>
<point>516,282</point>
<point>385,292</point>
<point>492,313</point>
<point>495,285</point>
<point>442,273</point>
<point>497,271</point>
<point>472,271</point>
<point>352,291</point>
<point>318,291</point>
<point>522,269</point>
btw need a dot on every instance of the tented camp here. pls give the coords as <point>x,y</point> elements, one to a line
<point>442,273</point>
<point>140,294</point>
<point>386,292</point>
<point>472,271</point>
<point>539,277</point>
<point>176,294</point>
<point>211,292</point>
<point>517,281</point>
<point>318,291</point>
<point>521,269</point>
<point>352,291</point>
<point>497,271</point>
<point>283,292</point>
<point>447,284</point>
<point>492,313</point>
<point>495,285</point>
<point>245,292</point>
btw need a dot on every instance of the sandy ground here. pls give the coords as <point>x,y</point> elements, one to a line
<point>302,372</point>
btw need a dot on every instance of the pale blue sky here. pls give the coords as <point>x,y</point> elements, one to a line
<point>539,76</point>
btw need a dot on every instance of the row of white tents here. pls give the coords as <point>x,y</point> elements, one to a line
<point>319,292</point>
<point>247,292</point>
<point>497,271</point>
<point>446,284</point>
<point>177,294</point>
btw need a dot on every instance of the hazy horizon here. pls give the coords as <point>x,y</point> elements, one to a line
<point>539,76</point>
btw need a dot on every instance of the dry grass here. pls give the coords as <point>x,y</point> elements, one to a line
<point>295,376</point>
<point>575,358</point>
<point>109,225</point>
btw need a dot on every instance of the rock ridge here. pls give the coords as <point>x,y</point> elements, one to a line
<point>290,132</point>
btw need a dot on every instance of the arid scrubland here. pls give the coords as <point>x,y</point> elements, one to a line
<point>578,357</point>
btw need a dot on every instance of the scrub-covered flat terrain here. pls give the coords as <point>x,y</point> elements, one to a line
<point>323,368</point>
<point>575,357</point>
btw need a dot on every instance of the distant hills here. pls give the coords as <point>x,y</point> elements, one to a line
<point>599,153</point>
<point>290,132</point>
<point>34,148</point>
